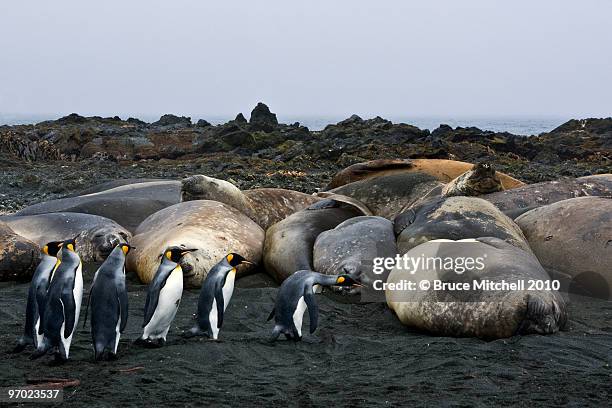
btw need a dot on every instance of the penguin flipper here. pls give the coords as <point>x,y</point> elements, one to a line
<point>313,310</point>
<point>69,306</point>
<point>220,305</point>
<point>123,305</point>
<point>158,283</point>
<point>41,299</point>
<point>272,313</point>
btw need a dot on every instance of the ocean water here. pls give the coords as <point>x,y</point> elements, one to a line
<point>515,125</point>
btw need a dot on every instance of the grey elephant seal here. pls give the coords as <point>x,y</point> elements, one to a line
<point>128,205</point>
<point>95,236</point>
<point>440,169</point>
<point>473,311</point>
<point>289,243</point>
<point>573,241</point>
<point>18,255</point>
<point>388,195</point>
<point>520,200</point>
<point>352,246</point>
<point>213,228</point>
<point>98,188</point>
<point>455,218</point>
<point>265,206</point>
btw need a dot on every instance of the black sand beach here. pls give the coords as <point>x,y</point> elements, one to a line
<point>360,356</point>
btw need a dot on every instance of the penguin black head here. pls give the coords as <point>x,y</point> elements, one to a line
<point>125,248</point>
<point>235,259</point>
<point>70,244</point>
<point>175,253</point>
<point>52,248</point>
<point>347,280</point>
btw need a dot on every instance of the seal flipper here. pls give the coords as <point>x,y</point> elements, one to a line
<point>313,309</point>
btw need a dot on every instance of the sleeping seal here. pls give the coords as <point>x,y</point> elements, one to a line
<point>573,241</point>
<point>520,200</point>
<point>18,255</point>
<point>95,236</point>
<point>474,311</point>
<point>213,228</point>
<point>455,218</point>
<point>442,170</point>
<point>265,206</point>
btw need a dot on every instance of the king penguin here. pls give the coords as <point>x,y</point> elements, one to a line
<point>63,305</point>
<point>216,294</point>
<point>295,295</point>
<point>37,295</point>
<point>163,298</point>
<point>109,304</point>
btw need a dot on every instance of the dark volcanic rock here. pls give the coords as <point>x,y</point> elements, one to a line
<point>240,119</point>
<point>263,119</point>
<point>203,123</point>
<point>173,120</point>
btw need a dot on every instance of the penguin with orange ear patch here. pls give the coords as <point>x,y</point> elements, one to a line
<point>216,293</point>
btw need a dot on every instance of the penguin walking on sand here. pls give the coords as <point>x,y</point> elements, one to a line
<point>163,298</point>
<point>37,295</point>
<point>296,294</point>
<point>215,295</point>
<point>109,304</point>
<point>63,305</point>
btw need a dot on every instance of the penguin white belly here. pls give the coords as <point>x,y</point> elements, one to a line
<point>77,294</point>
<point>167,306</point>
<point>298,315</point>
<point>213,319</point>
<point>117,335</point>
<point>228,288</point>
<point>38,338</point>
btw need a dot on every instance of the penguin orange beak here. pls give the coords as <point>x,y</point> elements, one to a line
<point>186,251</point>
<point>248,263</point>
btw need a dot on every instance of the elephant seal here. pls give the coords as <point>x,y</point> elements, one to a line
<point>495,313</point>
<point>128,205</point>
<point>352,246</point>
<point>389,195</point>
<point>18,255</point>
<point>95,236</point>
<point>213,228</point>
<point>455,218</point>
<point>520,200</point>
<point>265,206</point>
<point>573,241</point>
<point>112,184</point>
<point>442,170</point>
<point>289,243</point>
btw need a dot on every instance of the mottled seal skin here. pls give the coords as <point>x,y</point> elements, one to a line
<point>95,236</point>
<point>289,243</point>
<point>388,195</point>
<point>442,170</point>
<point>265,206</point>
<point>520,200</point>
<point>351,247</point>
<point>112,184</point>
<point>128,205</point>
<point>478,313</point>
<point>573,241</point>
<point>213,228</point>
<point>18,255</point>
<point>481,179</point>
<point>455,218</point>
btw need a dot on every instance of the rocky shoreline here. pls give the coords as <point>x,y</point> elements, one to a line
<point>57,158</point>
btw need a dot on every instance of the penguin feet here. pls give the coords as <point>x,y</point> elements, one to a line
<point>21,345</point>
<point>38,353</point>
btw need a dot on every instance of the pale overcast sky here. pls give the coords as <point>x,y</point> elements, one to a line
<point>316,57</point>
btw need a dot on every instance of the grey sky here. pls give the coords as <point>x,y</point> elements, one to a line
<point>330,57</point>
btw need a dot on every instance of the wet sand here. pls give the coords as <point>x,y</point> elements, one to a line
<point>360,356</point>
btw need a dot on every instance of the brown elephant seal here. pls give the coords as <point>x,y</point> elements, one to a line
<point>289,243</point>
<point>573,241</point>
<point>455,218</point>
<point>265,206</point>
<point>128,205</point>
<point>389,195</point>
<point>18,255</point>
<point>494,312</point>
<point>352,247</point>
<point>520,200</point>
<point>213,228</point>
<point>95,236</point>
<point>442,170</point>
